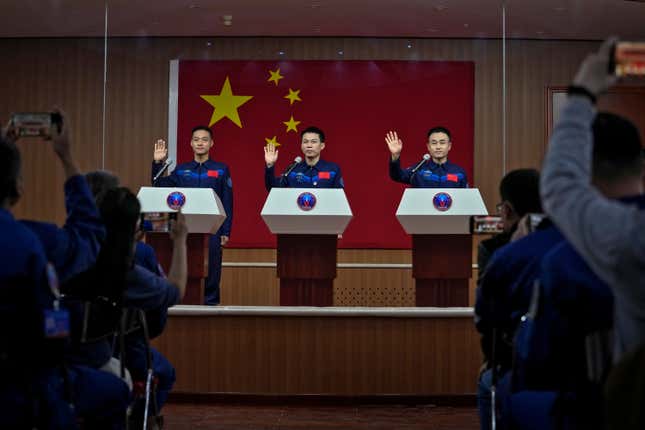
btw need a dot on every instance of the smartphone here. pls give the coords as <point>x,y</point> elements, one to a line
<point>157,222</point>
<point>36,124</point>
<point>486,225</point>
<point>628,59</point>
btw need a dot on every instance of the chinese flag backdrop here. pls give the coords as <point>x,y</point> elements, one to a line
<point>354,102</point>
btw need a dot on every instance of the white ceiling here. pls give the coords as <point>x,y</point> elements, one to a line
<point>531,19</point>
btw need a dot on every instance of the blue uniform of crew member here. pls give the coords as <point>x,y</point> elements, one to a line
<point>202,172</point>
<point>312,173</point>
<point>433,171</point>
<point>33,324</point>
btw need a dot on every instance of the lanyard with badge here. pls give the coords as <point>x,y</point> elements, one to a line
<point>56,319</point>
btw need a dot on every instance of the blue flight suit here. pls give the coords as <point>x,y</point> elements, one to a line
<point>31,393</point>
<point>209,174</point>
<point>504,295</point>
<point>549,378</point>
<point>550,351</point>
<point>145,256</point>
<point>73,248</point>
<point>324,174</point>
<point>429,175</point>
<point>152,293</point>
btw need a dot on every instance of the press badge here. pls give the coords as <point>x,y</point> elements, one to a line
<point>56,319</point>
<point>56,323</point>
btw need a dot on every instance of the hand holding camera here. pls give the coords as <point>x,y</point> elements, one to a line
<point>614,60</point>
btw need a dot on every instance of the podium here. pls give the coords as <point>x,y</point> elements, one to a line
<point>204,215</point>
<point>439,221</point>
<point>307,222</point>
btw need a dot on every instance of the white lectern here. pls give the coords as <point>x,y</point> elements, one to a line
<point>204,215</point>
<point>439,221</point>
<point>307,222</point>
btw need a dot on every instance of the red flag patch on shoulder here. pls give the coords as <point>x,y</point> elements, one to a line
<point>213,173</point>
<point>452,178</point>
<point>324,175</point>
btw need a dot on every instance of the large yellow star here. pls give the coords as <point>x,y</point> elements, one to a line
<point>293,96</point>
<point>226,104</point>
<point>275,76</point>
<point>273,141</point>
<point>291,125</point>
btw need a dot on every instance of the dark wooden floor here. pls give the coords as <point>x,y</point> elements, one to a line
<point>363,417</point>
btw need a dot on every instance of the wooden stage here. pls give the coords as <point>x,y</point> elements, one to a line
<point>334,351</point>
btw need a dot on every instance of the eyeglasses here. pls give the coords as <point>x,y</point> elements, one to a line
<point>498,207</point>
<point>203,139</point>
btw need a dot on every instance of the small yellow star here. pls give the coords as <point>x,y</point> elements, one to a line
<point>291,125</point>
<point>273,141</point>
<point>275,76</point>
<point>226,104</point>
<point>293,96</point>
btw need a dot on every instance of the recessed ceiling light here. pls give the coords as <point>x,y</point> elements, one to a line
<point>341,52</point>
<point>409,45</point>
<point>280,52</point>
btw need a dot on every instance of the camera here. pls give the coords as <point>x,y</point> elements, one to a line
<point>157,222</point>
<point>36,124</point>
<point>486,225</point>
<point>627,59</point>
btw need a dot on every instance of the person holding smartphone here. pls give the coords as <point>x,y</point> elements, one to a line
<point>201,172</point>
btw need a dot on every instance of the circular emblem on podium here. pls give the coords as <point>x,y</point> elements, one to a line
<point>306,201</point>
<point>442,201</point>
<point>176,200</point>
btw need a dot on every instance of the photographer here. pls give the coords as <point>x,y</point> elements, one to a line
<point>73,248</point>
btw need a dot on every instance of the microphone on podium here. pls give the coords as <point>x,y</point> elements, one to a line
<point>292,166</point>
<point>163,169</point>
<point>426,157</point>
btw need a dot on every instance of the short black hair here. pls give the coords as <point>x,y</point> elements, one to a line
<point>521,188</point>
<point>312,129</point>
<point>10,165</point>
<point>439,129</point>
<point>100,181</point>
<point>617,151</point>
<point>202,127</point>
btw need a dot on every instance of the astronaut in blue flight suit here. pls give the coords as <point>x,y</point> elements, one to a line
<point>202,172</point>
<point>435,172</point>
<point>312,173</point>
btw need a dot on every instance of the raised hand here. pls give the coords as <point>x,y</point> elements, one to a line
<point>270,154</point>
<point>394,144</point>
<point>161,151</point>
<point>593,73</point>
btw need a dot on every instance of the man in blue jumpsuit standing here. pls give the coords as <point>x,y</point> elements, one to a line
<point>433,171</point>
<point>314,172</point>
<point>202,172</point>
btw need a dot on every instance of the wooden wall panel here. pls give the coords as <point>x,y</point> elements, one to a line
<point>316,355</point>
<point>38,74</point>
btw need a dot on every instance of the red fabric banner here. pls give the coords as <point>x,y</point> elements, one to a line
<point>354,102</point>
